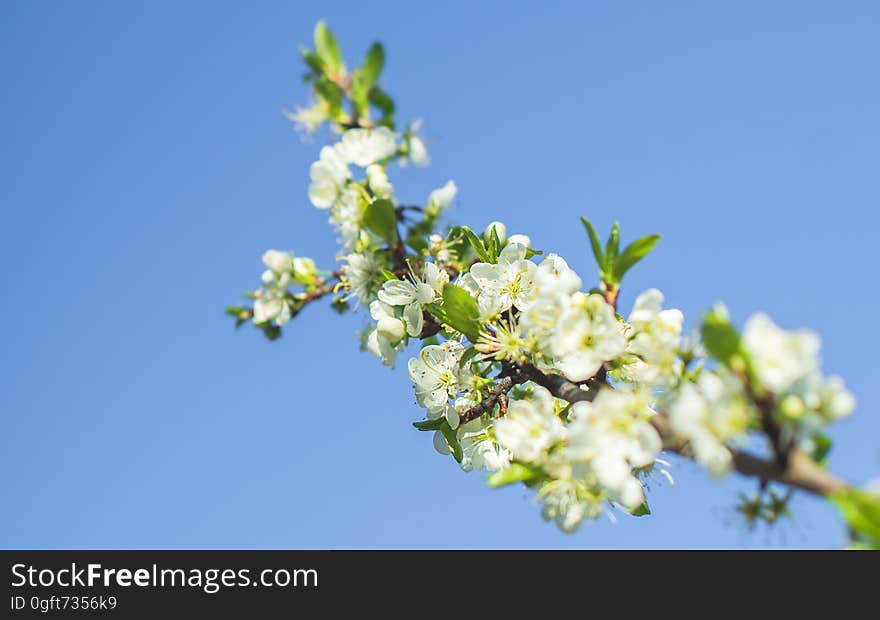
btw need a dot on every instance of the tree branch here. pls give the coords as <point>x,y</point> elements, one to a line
<point>496,394</point>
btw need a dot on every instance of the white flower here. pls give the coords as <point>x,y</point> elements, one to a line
<point>271,308</point>
<point>436,374</point>
<point>834,400</point>
<point>555,277</point>
<point>608,438</point>
<point>523,240</point>
<point>414,294</point>
<point>363,147</point>
<point>442,197</point>
<point>562,504</point>
<point>362,275</point>
<point>479,451</point>
<point>779,357</point>
<point>508,283</point>
<point>278,262</point>
<point>346,215</point>
<point>530,427</point>
<point>586,335</point>
<point>378,180</point>
<point>273,302</point>
<point>329,175</point>
<point>387,337</point>
<point>656,340</point>
<point>711,414</point>
<point>811,403</point>
<point>308,119</point>
<point>418,153</point>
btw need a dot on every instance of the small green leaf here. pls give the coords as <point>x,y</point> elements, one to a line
<point>632,254</point>
<point>272,332</point>
<point>862,513</point>
<point>461,311</point>
<point>240,313</point>
<point>612,248</point>
<point>382,101</point>
<point>594,242</point>
<point>438,311</point>
<point>340,305</point>
<point>821,449</point>
<point>530,253</point>
<point>451,440</point>
<point>720,337</point>
<point>429,425</point>
<point>373,64</point>
<point>312,60</point>
<point>476,243</point>
<point>642,510</point>
<point>359,92</point>
<point>494,245</point>
<point>331,93</point>
<point>381,218</point>
<point>516,472</point>
<point>327,48</point>
<point>389,275</point>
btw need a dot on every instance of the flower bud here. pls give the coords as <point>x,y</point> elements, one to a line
<point>500,230</point>
<point>792,407</point>
<point>304,270</point>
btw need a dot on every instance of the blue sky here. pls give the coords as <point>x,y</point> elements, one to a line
<point>147,165</point>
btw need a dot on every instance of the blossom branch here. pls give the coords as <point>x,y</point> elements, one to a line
<point>798,471</point>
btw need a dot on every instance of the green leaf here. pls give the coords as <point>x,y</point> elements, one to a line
<point>272,332</point>
<point>359,92</point>
<point>530,253</point>
<point>451,440</point>
<point>821,450</point>
<point>380,218</point>
<point>240,313</point>
<point>494,245</point>
<point>720,337</point>
<point>438,311</point>
<point>476,243</point>
<point>461,311</point>
<point>594,242</point>
<point>373,64</point>
<point>312,60</point>
<point>612,248</point>
<point>429,425</point>
<point>862,513</point>
<point>642,510</point>
<point>382,101</point>
<point>331,93</point>
<point>632,254</point>
<point>340,305</point>
<point>516,472</point>
<point>327,48</point>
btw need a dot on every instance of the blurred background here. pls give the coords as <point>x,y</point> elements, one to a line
<point>146,166</point>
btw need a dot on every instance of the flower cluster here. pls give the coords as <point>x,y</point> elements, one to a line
<point>520,371</point>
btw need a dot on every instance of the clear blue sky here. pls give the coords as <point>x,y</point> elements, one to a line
<point>147,165</point>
